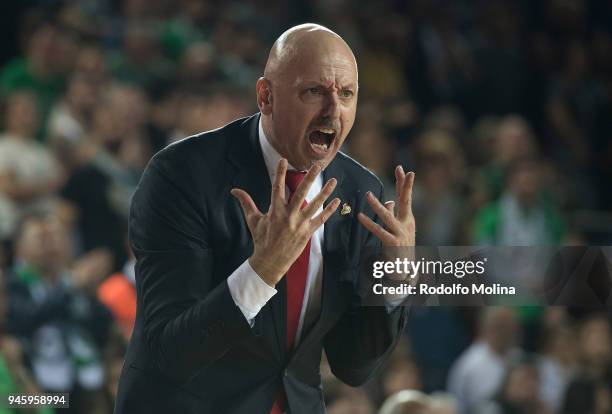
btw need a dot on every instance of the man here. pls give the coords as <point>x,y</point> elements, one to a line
<point>53,309</point>
<point>29,174</point>
<point>240,286</point>
<point>479,372</point>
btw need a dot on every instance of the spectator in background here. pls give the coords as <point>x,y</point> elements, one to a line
<point>520,393</point>
<point>14,377</point>
<point>90,63</point>
<point>71,117</point>
<point>585,396</point>
<point>449,120</point>
<point>577,111</point>
<point>499,82</point>
<point>558,363</point>
<point>448,55</point>
<point>197,67</point>
<point>380,69</point>
<point>437,197</point>
<point>576,106</point>
<point>523,215</point>
<point>203,112</point>
<point>590,392</point>
<point>478,373</point>
<point>513,140</point>
<point>112,159</point>
<point>483,137</point>
<point>140,62</point>
<point>29,174</point>
<point>596,347</point>
<point>53,308</point>
<point>40,70</point>
<point>237,49</point>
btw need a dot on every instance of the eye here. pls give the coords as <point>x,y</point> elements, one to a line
<point>314,90</point>
<point>346,93</point>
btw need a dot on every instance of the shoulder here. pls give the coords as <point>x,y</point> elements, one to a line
<point>211,140</point>
<point>357,173</point>
<point>472,357</point>
<point>204,148</point>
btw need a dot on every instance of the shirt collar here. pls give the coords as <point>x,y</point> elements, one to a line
<point>270,155</point>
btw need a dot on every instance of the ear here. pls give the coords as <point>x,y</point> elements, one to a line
<point>264,96</point>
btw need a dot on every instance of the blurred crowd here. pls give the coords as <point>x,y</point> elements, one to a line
<point>503,109</point>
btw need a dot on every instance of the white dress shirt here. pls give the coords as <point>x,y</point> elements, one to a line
<point>251,293</point>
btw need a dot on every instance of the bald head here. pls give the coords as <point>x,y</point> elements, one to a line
<point>302,42</point>
<point>308,95</point>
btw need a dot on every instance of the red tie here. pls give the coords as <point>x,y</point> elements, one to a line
<point>296,283</point>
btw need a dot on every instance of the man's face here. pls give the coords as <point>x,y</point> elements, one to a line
<point>525,184</point>
<point>313,105</point>
<point>45,245</point>
<point>22,114</point>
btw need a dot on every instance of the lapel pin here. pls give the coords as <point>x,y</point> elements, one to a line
<point>346,209</point>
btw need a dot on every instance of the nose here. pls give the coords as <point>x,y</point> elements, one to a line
<point>331,108</point>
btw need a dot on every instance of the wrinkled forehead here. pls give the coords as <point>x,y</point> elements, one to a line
<point>325,66</point>
<point>316,55</point>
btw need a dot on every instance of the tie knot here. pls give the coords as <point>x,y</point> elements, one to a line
<point>293,179</point>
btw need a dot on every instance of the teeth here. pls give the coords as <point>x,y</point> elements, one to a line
<point>326,130</point>
<point>320,146</point>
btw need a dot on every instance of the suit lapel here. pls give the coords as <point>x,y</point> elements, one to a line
<point>335,244</point>
<point>252,176</point>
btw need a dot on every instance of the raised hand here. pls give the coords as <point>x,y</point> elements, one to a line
<point>280,235</point>
<point>399,228</point>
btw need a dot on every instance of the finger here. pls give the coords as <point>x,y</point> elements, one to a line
<point>318,201</point>
<point>390,205</point>
<point>387,217</point>
<point>278,187</point>
<point>302,190</point>
<point>399,180</point>
<point>251,212</point>
<point>405,198</point>
<point>382,234</point>
<point>323,216</point>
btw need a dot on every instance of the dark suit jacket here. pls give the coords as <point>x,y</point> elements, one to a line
<point>192,350</point>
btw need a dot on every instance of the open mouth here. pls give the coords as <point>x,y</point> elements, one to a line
<point>321,140</point>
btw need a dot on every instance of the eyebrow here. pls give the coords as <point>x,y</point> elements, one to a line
<point>303,82</point>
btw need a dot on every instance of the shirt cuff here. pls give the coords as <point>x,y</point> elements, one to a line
<point>392,301</point>
<point>249,291</point>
